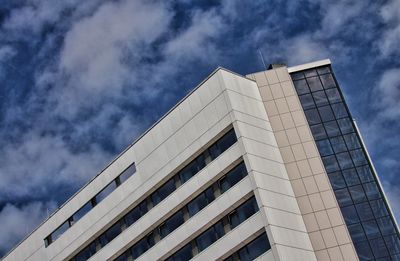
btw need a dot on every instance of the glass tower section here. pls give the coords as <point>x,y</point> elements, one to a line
<point>364,208</point>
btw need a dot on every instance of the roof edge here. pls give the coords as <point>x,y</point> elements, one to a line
<point>306,66</point>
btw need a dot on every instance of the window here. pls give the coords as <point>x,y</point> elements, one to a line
<point>233,177</point>
<point>364,211</point>
<point>297,75</point>
<point>143,245</point>
<point>136,213</point>
<point>386,226</point>
<point>318,131</point>
<point>59,231</point>
<point>310,73</point>
<point>210,236</point>
<point>337,180</point>
<point>320,98</point>
<point>307,101</point>
<point>326,113</point>
<point>87,252</point>
<point>110,234</point>
<point>312,116</point>
<point>343,197</point>
<point>330,163</point>
<point>190,170</point>
<point>364,172</point>
<point>338,144</point>
<point>332,128</point>
<point>339,110</point>
<point>163,192</point>
<point>344,160</point>
<point>345,125</point>
<point>255,248</point>
<point>333,95</point>
<point>243,212</point>
<point>378,247</point>
<point>301,87</point>
<point>379,208</point>
<point>324,147</point>
<point>323,70</point>
<point>350,215</point>
<point>200,201</point>
<point>314,83</point>
<point>371,229</point>
<point>183,254</point>
<point>356,232</point>
<point>105,192</point>
<point>372,191</point>
<point>222,144</point>
<point>357,194</point>
<point>363,250</point>
<point>358,157</point>
<point>351,177</point>
<point>352,141</point>
<point>127,173</point>
<point>393,243</point>
<point>171,224</point>
<point>82,211</point>
<point>327,81</point>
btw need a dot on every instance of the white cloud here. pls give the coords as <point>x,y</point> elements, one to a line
<point>18,222</point>
<point>387,94</point>
<point>388,43</point>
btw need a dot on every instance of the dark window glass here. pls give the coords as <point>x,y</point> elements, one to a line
<point>351,177</point>
<point>171,224</point>
<point>345,125</point>
<point>338,144</point>
<point>183,254</point>
<point>363,250</point>
<point>301,87</point>
<point>371,229</point>
<point>200,201</point>
<point>324,147</point>
<point>339,110</point>
<point>327,81</point>
<point>372,191</point>
<point>222,144</point>
<point>356,232</point>
<point>163,192</point>
<point>337,180</point>
<point>358,157</point>
<point>357,194</point>
<point>332,129</point>
<point>243,212</point>
<point>330,163</point>
<point>297,75</point>
<point>318,131</point>
<point>86,253</point>
<point>364,211</point>
<point>333,95</point>
<point>364,172</point>
<point>59,231</point>
<point>127,173</point>
<point>105,192</point>
<point>379,208</point>
<point>350,215</point>
<point>143,245</point>
<point>326,113</point>
<point>386,226</point>
<point>233,177</point>
<point>310,73</point>
<point>352,141</point>
<point>82,211</point>
<point>312,116</point>
<point>307,101</point>
<point>395,257</point>
<point>323,70</point>
<point>320,98</point>
<point>136,213</point>
<point>343,197</point>
<point>344,160</point>
<point>123,257</point>
<point>254,249</point>
<point>378,247</point>
<point>110,234</point>
<point>210,236</point>
<point>393,244</point>
<point>192,168</point>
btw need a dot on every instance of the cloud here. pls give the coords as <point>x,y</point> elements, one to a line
<point>387,94</point>
<point>17,222</point>
<point>392,192</point>
<point>389,40</point>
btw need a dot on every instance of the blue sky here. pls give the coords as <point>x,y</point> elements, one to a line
<point>80,80</point>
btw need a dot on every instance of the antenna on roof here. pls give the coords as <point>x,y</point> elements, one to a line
<point>262,59</point>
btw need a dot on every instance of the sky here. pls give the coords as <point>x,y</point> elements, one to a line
<point>80,80</point>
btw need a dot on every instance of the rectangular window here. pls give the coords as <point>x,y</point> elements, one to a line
<point>200,201</point>
<point>357,194</point>
<point>222,144</point>
<point>324,147</point>
<point>163,192</point>
<point>363,250</point>
<point>320,98</point>
<point>379,208</point>
<point>82,211</point>
<point>350,215</point>
<point>318,131</point>
<point>338,144</point>
<point>364,172</point>
<point>339,110</point>
<point>345,125</point>
<point>356,232</point>
<point>243,212</point>
<point>255,248</point>
<point>371,229</point>
<point>312,116</point>
<point>314,83</point>
<point>127,173</point>
<point>330,163</point>
<point>307,101</point>
<point>352,141</point>
<point>171,224</point>
<point>364,211</point>
<point>332,128</point>
<point>327,81</point>
<point>301,87</point>
<point>386,226</point>
<point>344,160</point>
<point>105,192</point>
<point>233,177</point>
<point>336,180</point>
<point>185,253</point>
<point>210,236</point>
<point>358,157</point>
<point>110,234</point>
<point>343,197</point>
<point>333,95</point>
<point>190,170</point>
<point>326,113</point>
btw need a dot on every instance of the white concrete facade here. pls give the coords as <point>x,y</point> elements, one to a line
<point>223,101</point>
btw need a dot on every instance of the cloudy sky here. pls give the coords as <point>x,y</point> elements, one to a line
<point>80,80</point>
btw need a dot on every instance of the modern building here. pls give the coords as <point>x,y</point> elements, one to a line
<point>268,167</point>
